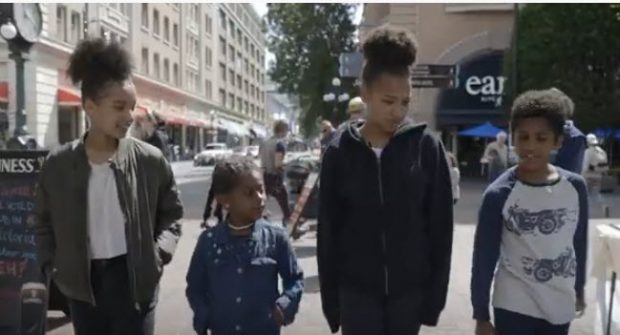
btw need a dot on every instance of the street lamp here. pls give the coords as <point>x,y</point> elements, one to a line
<point>336,97</point>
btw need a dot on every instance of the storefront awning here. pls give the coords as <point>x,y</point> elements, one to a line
<point>68,98</point>
<point>233,128</point>
<point>4,91</point>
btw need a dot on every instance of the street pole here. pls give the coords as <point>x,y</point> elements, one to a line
<point>20,114</point>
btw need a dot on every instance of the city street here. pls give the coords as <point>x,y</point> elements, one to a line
<point>174,315</point>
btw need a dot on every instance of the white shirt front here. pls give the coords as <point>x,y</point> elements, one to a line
<point>537,265</point>
<point>106,222</point>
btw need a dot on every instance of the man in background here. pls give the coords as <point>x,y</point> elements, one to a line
<point>272,161</point>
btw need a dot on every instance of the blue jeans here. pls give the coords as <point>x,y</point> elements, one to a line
<point>511,323</point>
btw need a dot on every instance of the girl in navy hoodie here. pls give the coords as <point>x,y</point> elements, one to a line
<point>385,216</point>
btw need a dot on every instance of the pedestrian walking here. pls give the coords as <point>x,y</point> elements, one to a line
<point>455,177</point>
<point>150,129</point>
<point>356,110</point>
<point>496,157</point>
<point>232,282</point>
<point>571,154</point>
<point>327,134</point>
<point>595,164</point>
<point>385,215</point>
<point>532,227</point>
<point>107,205</point>
<point>272,154</point>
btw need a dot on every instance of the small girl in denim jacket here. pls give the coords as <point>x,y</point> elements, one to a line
<point>232,282</point>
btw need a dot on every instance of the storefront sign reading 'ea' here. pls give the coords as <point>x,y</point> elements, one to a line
<point>489,88</point>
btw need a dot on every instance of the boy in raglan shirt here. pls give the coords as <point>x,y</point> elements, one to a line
<point>533,226</point>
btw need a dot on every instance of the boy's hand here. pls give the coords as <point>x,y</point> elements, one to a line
<point>278,316</point>
<point>485,328</point>
<point>580,307</point>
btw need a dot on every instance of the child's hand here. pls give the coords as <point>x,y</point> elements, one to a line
<point>485,328</point>
<point>278,316</point>
<point>580,307</point>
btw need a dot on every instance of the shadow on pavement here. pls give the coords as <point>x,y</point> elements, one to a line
<point>311,284</point>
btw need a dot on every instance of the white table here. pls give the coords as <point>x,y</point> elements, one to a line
<point>605,253</point>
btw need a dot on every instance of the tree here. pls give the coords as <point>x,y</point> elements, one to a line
<point>572,47</point>
<point>306,40</point>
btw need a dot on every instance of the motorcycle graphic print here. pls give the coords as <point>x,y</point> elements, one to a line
<point>543,270</point>
<point>522,221</point>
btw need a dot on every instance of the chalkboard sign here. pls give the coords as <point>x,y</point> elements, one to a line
<point>22,285</point>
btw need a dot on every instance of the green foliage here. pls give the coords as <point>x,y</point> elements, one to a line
<point>573,47</point>
<point>306,40</point>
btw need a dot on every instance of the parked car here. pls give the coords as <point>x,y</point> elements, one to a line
<point>212,153</point>
<point>296,148</point>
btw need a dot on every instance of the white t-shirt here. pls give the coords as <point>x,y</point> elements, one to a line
<point>537,265</point>
<point>377,152</point>
<point>106,221</point>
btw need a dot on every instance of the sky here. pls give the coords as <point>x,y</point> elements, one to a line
<point>261,9</point>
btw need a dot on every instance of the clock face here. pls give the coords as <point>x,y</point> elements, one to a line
<point>28,20</point>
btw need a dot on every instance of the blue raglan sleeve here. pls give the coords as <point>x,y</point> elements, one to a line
<point>197,290</point>
<point>486,250</point>
<point>292,278</point>
<point>580,241</point>
<point>571,154</point>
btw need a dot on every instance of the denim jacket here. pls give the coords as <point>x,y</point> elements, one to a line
<point>232,282</point>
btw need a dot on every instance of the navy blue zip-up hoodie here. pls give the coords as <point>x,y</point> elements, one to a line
<point>385,225</point>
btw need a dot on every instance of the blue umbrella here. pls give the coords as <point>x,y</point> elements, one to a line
<point>484,130</point>
<point>607,132</point>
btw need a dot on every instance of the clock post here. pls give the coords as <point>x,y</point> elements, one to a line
<point>20,27</point>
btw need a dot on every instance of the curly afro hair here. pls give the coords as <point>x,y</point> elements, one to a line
<point>97,62</point>
<point>545,104</point>
<point>388,50</point>
<point>227,173</point>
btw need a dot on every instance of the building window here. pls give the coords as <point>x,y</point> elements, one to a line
<point>257,74</point>
<point>239,82</point>
<point>247,87</point>
<point>231,29</point>
<point>239,37</point>
<point>252,72</point>
<point>175,34</point>
<point>246,44</point>
<point>231,101</point>
<point>156,22</point>
<point>197,17</point>
<point>156,65</point>
<point>223,47</point>
<point>246,107</point>
<point>252,90</point>
<point>232,77</point>
<point>252,108</point>
<point>239,104</point>
<point>76,27</point>
<point>145,15</point>
<point>208,24</point>
<point>145,61</point>
<point>222,20</point>
<point>175,74</point>
<point>208,57</point>
<point>247,66</point>
<point>167,70</point>
<point>231,53</point>
<point>208,89</point>
<point>252,50</point>
<point>223,72</point>
<point>61,22</point>
<point>166,29</point>
<point>222,98</point>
